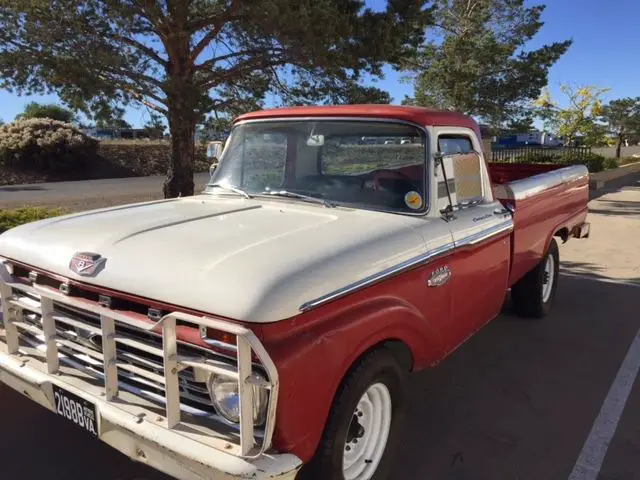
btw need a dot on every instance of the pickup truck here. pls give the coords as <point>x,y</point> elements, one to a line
<point>266,327</point>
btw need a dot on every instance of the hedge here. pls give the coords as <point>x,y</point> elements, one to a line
<point>593,161</point>
<point>45,145</point>
<point>13,218</point>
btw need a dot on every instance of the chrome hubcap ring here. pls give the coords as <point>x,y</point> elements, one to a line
<point>368,432</point>
<point>548,278</point>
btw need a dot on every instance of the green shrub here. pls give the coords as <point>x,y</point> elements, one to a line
<point>44,145</point>
<point>610,163</point>
<point>593,161</point>
<point>539,157</point>
<point>19,216</point>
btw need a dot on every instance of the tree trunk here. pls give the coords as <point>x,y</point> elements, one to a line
<point>619,144</point>
<point>179,182</point>
<point>181,106</point>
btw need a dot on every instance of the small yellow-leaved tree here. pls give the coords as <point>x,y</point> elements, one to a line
<point>578,116</point>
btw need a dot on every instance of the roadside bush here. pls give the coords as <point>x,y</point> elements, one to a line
<point>537,158</point>
<point>44,145</point>
<point>13,218</point>
<point>593,162</point>
<point>610,163</point>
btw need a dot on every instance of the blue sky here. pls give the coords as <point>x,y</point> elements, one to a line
<point>605,52</point>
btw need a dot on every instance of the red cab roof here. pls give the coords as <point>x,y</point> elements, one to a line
<point>418,115</point>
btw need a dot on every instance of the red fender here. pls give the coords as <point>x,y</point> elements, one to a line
<point>315,350</point>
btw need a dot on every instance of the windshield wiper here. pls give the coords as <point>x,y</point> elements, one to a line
<point>287,193</point>
<point>231,188</point>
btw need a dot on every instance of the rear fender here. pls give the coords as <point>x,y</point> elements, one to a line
<point>568,225</point>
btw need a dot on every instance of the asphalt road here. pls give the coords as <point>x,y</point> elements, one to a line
<point>517,401</point>
<point>86,194</point>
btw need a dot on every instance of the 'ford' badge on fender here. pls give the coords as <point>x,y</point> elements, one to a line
<point>86,263</point>
<point>440,276</point>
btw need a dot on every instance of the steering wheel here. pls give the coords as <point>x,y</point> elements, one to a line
<point>384,173</point>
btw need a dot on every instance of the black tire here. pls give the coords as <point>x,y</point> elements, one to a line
<point>379,366</point>
<point>527,293</point>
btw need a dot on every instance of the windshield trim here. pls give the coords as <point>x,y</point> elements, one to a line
<point>427,153</point>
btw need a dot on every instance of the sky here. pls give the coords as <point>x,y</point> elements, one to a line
<point>605,53</point>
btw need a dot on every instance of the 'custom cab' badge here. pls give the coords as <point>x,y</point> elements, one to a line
<point>86,263</point>
<point>440,276</point>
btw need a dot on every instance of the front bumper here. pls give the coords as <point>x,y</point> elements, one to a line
<point>141,437</point>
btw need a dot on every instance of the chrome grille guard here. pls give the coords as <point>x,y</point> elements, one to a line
<point>247,343</point>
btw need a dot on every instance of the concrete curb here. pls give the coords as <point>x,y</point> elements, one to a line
<point>598,180</point>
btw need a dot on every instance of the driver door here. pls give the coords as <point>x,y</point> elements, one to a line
<point>481,230</point>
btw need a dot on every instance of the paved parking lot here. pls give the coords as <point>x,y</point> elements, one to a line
<point>519,401</point>
<point>89,194</point>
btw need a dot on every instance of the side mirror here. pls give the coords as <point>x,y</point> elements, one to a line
<point>214,152</point>
<point>459,179</point>
<point>315,141</point>
<point>214,149</point>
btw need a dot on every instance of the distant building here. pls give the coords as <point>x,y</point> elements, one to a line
<point>121,133</point>
<point>533,138</point>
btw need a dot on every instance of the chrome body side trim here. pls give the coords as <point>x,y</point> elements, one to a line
<point>530,186</point>
<point>377,277</point>
<point>485,234</point>
<point>424,258</point>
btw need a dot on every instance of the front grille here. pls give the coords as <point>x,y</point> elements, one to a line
<point>145,359</point>
<point>139,353</point>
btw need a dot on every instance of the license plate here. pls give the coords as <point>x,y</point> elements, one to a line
<point>78,410</point>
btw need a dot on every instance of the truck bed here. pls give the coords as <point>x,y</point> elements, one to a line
<point>501,172</point>
<point>547,200</point>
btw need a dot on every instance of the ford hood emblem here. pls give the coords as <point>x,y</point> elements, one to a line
<point>86,263</point>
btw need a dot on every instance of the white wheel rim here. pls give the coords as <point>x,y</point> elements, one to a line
<point>548,278</point>
<point>367,436</point>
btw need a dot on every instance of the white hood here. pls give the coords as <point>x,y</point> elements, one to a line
<point>251,260</point>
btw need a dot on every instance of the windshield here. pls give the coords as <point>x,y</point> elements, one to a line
<point>378,165</point>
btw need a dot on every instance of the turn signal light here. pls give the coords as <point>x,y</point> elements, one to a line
<point>223,342</point>
<point>217,336</point>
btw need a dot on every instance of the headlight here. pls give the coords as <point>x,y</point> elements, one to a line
<point>226,399</point>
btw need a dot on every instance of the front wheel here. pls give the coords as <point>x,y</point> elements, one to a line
<point>364,424</point>
<point>533,294</point>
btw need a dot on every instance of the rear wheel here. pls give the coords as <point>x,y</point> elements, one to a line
<point>533,294</point>
<point>364,424</point>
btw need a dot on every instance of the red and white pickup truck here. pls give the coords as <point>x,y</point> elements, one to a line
<point>266,327</point>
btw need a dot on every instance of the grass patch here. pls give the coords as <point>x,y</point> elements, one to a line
<point>19,216</point>
<point>628,160</point>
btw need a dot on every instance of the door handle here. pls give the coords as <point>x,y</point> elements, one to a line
<point>501,211</point>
